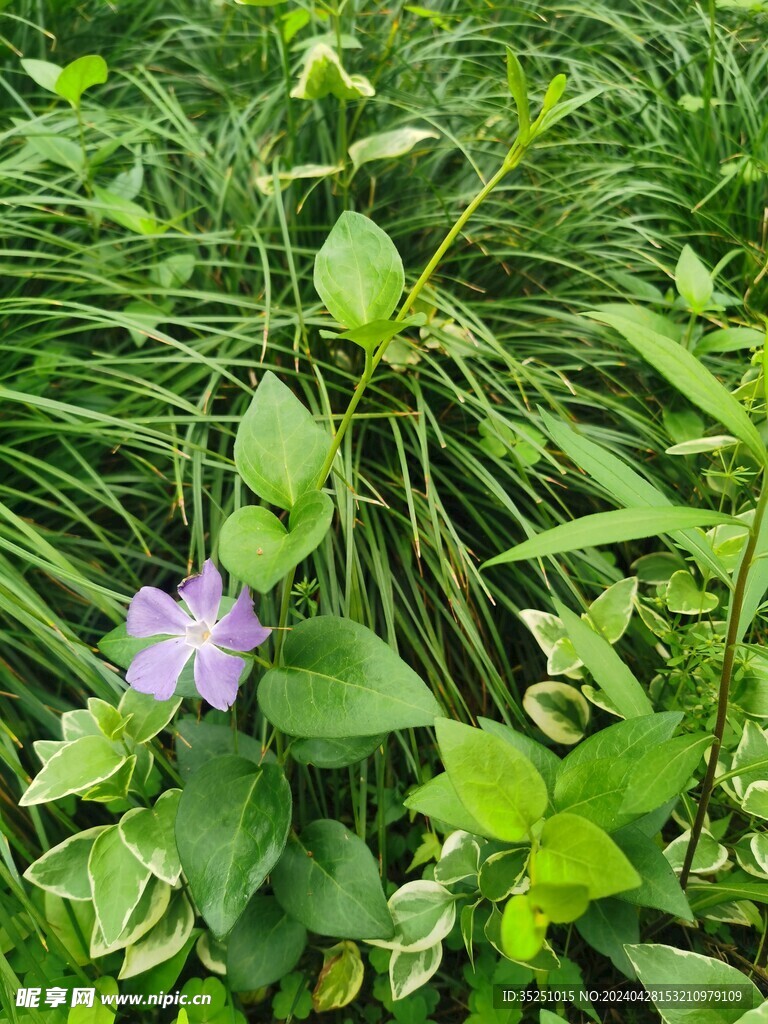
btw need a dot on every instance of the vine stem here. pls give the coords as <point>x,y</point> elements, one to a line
<point>726,675</point>
<point>372,361</point>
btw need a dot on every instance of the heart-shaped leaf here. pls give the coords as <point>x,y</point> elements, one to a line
<point>329,881</point>
<point>358,272</point>
<point>369,336</point>
<point>231,827</point>
<point>80,75</point>
<point>340,679</point>
<point>279,449</point>
<point>256,548</point>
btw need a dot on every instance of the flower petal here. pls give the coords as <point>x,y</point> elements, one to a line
<point>217,675</point>
<point>156,669</point>
<point>240,630</point>
<point>153,612</point>
<point>202,593</point>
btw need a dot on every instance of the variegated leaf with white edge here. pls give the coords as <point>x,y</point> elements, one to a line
<point>559,710</point>
<point>662,967</point>
<point>63,869</point>
<point>710,855</point>
<point>79,722</point>
<point>423,913</point>
<point>752,854</point>
<point>147,912</point>
<point>149,835</point>
<point>388,145</point>
<point>212,953</point>
<point>599,699</point>
<point>753,746</point>
<point>75,767</point>
<point>265,183</point>
<point>45,749</point>
<point>323,74</point>
<point>564,661</point>
<point>547,629</point>
<point>118,880</point>
<point>163,941</point>
<point>409,971</point>
<point>755,800</point>
<point>146,716</point>
<point>611,613</point>
<point>459,858</point>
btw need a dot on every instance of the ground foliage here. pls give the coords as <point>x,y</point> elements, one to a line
<point>162,216</point>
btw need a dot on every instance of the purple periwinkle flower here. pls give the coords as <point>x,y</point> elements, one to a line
<point>201,635</point>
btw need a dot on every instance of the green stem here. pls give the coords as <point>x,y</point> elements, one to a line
<point>726,675</point>
<point>282,622</point>
<point>372,361</point>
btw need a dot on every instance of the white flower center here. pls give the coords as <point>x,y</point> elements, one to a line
<point>198,634</point>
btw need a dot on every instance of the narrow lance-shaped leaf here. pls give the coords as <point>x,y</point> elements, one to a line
<point>610,528</point>
<point>684,371</point>
<point>627,487</point>
<point>615,679</point>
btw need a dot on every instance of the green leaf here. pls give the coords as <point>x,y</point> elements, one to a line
<point>227,854</point>
<point>438,799</point>
<point>257,549</point>
<point>74,768</point>
<point>573,851</point>
<point>118,880</point>
<point>560,903</point>
<point>80,75</point>
<point>323,74</point>
<point>340,979</point>
<point>336,753</point>
<point>370,336</point>
<point>607,926</point>
<point>162,942</point>
<point>595,790</point>
<point>423,913</point>
<point>558,709</point>
<point>627,487</point>
<point>338,679</point>
<point>683,597</point>
<point>659,887</point>
<point>388,145</point>
<point>100,1012</point>
<point>660,966</point>
<point>71,923</point>
<point>63,870</point>
<point>264,945</point>
<point>126,213</point>
<point>148,716</point>
<point>496,783</point>
<point>609,528</point>
<point>609,671</point>
<point>198,742</point>
<point>522,929</point>
<point>737,885</point>
<point>693,280</point>
<point>149,835</point>
<point>518,90</point>
<point>545,761</point>
<point>358,272</point>
<point>730,339</point>
<point>329,881</point>
<point>42,72</point>
<point>684,372</point>
<point>279,449</point>
<point>56,150</point>
<point>631,737</point>
<point>663,772</point>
